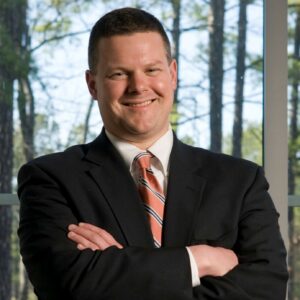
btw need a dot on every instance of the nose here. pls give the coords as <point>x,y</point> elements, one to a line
<point>137,83</point>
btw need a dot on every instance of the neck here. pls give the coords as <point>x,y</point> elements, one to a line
<point>142,143</point>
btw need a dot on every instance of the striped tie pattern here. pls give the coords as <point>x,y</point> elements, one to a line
<point>152,195</point>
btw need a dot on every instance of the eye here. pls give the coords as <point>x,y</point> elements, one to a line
<point>153,71</point>
<point>118,75</point>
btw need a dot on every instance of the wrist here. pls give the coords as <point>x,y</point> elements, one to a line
<point>199,254</point>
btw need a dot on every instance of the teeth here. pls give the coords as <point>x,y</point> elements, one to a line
<point>140,104</point>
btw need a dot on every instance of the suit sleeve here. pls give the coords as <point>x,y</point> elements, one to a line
<point>59,271</point>
<point>262,271</point>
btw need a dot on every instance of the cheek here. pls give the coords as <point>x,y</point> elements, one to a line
<point>164,86</point>
<point>161,87</point>
<point>112,91</point>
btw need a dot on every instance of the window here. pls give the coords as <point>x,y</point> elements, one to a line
<point>293,153</point>
<point>219,103</point>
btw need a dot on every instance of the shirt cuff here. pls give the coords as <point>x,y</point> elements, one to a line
<point>194,269</point>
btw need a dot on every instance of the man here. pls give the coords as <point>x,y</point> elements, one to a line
<point>97,222</point>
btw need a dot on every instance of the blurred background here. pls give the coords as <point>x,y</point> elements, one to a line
<point>219,104</point>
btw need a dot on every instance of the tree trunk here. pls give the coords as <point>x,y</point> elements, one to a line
<point>15,60</point>
<point>176,8</point>
<point>7,9</point>
<point>26,112</point>
<point>294,135</point>
<point>237,130</point>
<point>25,99</point>
<point>216,44</point>
<point>25,95</point>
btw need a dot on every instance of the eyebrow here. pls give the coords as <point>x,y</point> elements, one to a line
<point>122,67</point>
<point>156,62</point>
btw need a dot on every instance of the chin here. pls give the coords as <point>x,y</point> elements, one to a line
<point>141,132</point>
<point>141,128</point>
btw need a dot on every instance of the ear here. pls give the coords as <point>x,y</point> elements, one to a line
<point>91,83</point>
<point>173,72</point>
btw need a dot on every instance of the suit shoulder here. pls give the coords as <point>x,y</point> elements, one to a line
<point>60,159</point>
<point>220,160</point>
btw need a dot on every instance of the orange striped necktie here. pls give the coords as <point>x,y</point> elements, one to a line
<point>152,195</point>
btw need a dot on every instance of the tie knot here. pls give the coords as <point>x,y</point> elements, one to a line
<point>143,160</point>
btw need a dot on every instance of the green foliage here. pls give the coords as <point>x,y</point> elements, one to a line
<point>15,251</point>
<point>293,2</point>
<point>19,158</point>
<point>61,25</point>
<point>174,117</point>
<point>187,139</point>
<point>293,10</point>
<point>54,18</point>
<point>255,62</point>
<point>8,57</point>
<point>76,135</point>
<point>293,70</point>
<point>198,11</point>
<point>251,143</point>
<point>295,249</point>
<point>11,59</point>
<point>46,135</point>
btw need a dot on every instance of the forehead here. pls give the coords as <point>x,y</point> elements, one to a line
<point>136,46</point>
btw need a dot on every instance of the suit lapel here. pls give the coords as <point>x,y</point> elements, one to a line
<point>115,182</point>
<point>185,188</point>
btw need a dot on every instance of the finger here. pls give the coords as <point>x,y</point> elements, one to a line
<point>96,235</point>
<point>82,247</point>
<point>87,236</point>
<point>103,233</point>
<point>82,243</point>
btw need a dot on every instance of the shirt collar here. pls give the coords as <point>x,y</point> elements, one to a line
<point>161,149</point>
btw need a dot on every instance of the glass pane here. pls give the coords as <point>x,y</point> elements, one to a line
<point>294,254</point>
<point>218,104</point>
<point>224,116</point>
<point>294,166</point>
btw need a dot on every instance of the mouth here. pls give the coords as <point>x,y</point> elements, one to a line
<point>140,104</point>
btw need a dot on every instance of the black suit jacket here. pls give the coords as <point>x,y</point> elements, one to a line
<point>212,199</point>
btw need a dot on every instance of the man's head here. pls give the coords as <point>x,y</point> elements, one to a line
<point>132,76</point>
<point>124,21</point>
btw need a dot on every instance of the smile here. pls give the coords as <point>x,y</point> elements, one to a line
<point>140,104</point>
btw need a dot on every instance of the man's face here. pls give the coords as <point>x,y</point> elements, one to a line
<point>134,85</point>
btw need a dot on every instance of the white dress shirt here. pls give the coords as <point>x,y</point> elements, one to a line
<point>161,150</point>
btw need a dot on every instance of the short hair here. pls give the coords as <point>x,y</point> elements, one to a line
<point>124,21</point>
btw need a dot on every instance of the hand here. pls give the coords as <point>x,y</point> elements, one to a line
<point>88,236</point>
<point>213,261</point>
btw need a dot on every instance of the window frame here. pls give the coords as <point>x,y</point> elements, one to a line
<point>275,136</point>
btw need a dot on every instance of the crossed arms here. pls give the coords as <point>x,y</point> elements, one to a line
<point>211,261</point>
